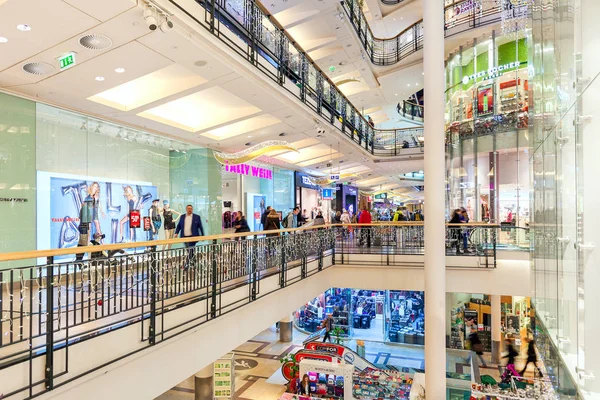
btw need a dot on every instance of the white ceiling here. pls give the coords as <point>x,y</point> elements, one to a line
<point>174,85</point>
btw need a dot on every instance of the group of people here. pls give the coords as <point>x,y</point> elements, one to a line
<point>460,235</point>
<point>511,355</point>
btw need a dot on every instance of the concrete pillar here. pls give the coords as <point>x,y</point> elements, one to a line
<point>496,333</point>
<point>203,383</point>
<point>286,329</point>
<point>435,258</point>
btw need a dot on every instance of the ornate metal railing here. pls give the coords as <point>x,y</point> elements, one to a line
<point>61,299</point>
<point>458,17</point>
<point>254,35</point>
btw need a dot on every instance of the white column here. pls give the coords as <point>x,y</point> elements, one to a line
<point>496,325</point>
<point>435,258</point>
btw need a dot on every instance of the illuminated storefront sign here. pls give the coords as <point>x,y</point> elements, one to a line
<point>466,7</point>
<point>492,72</point>
<point>250,170</point>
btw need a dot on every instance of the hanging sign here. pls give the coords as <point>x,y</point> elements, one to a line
<point>134,219</point>
<point>334,177</point>
<point>147,224</point>
<point>467,6</point>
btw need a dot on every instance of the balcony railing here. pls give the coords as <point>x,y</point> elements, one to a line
<point>389,51</point>
<point>255,36</point>
<point>411,110</point>
<point>61,300</point>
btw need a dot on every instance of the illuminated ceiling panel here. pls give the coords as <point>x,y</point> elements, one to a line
<point>149,88</point>
<point>319,160</point>
<point>201,110</point>
<point>241,127</point>
<point>372,181</point>
<point>355,170</point>
<point>297,145</point>
<point>305,154</point>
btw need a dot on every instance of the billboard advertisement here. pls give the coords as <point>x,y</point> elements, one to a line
<point>107,205</point>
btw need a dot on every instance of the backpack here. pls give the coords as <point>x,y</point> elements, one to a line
<point>284,223</point>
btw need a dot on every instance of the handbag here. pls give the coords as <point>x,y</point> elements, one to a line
<point>478,348</point>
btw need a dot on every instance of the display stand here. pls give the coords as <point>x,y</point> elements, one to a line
<point>224,377</point>
<point>332,378</point>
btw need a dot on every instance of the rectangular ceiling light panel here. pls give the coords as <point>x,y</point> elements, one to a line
<point>241,127</point>
<point>149,88</point>
<point>201,110</point>
<point>305,154</point>
<point>319,160</point>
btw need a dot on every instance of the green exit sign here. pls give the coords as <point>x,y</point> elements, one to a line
<point>67,61</point>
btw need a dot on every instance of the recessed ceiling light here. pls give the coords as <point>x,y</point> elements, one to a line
<point>24,27</point>
<point>408,84</point>
<point>396,94</point>
<point>99,78</point>
<point>119,70</point>
<point>249,136</point>
<point>3,39</point>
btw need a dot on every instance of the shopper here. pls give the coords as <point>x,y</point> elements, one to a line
<point>477,347</point>
<point>190,226</point>
<point>272,223</point>
<point>345,217</point>
<point>464,218</point>
<point>327,324</point>
<point>365,231</point>
<point>531,358</point>
<point>291,220</point>
<point>338,217</point>
<point>455,231</point>
<point>398,216</point>
<point>511,354</point>
<point>241,225</point>
<point>319,219</point>
<point>263,218</point>
<point>304,386</point>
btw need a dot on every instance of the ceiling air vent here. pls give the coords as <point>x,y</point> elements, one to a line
<point>95,42</point>
<point>38,68</point>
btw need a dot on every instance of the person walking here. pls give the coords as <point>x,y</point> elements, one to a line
<point>398,216</point>
<point>291,220</point>
<point>512,353</point>
<point>241,225</point>
<point>531,358</point>
<point>190,226</point>
<point>477,347</point>
<point>338,217</point>
<point>272,223</point>
<point>464,216</point>
<point>365,231</point>
<point>319,219</point>
<point>327,324</point>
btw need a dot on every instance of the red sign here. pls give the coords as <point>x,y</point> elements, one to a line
<point>134,219</point>
<point>287,370</point>
<point>147,224</point>
<point>329,348</point>
<point>311,355</point>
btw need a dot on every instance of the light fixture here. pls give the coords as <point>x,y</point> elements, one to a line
<point>408,84</point>
<point>150,19</point>
<point>3,39</point>
<point>249,136</point>
<point>99,78</point>
<point>24,27</point>
<point>119,70</point>
<point>166,26</point>
<point>396,94</point>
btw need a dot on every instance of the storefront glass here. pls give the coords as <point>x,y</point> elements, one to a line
<point>405,317</point>
<point>58,163</point>
<point>487,108</point>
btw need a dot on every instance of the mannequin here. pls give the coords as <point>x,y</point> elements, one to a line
<point>154,214</point>
<point>169,221</point>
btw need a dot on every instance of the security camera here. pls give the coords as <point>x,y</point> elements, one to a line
<point>166,26</point>
<point>150,19</point>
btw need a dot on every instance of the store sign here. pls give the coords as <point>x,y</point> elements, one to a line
<point>492,72</point>
<point>344,352</point>
<point>467,6</point>
<point>381,196</point>
<point>327,194</point>
<point>307,181</point>
<point>249,170</point>
<point>13,200</point>
<point>328,348</point>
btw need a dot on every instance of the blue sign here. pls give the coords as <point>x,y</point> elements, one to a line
<point>327,194</point>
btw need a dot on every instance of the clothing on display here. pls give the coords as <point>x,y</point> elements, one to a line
<point>406,317</point>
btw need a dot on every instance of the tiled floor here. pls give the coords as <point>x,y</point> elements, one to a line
<point>258,375</point>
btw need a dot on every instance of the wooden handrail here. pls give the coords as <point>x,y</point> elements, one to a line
<point>25,255</point>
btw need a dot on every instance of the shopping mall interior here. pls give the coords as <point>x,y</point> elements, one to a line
<point>299,199</point>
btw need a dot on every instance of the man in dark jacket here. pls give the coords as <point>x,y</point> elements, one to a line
<point>263,218</point>
<point>190,225</point>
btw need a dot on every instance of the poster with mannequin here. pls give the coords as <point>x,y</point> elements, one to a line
<point>66,201</point>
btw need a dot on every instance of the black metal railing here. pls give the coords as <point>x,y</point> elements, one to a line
<point>411,110</point>
<point>392,2</point>
<point>256,37</point>
<point>53,308</point>
<point>458,18</point>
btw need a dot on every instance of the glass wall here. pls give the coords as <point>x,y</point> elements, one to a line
<point>61,169</point>
<point>488,142</point>
<point>565,103</point>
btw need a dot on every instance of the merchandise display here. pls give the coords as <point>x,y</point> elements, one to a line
<point>373,384</point>
<point>405,318</point>
<point>336,302</point>
<point>518,388</point>
<point>224,377</point>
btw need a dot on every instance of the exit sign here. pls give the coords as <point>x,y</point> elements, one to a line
<point>67,61</point>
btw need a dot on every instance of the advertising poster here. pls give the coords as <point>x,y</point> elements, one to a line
<point>470,322</point>
<point>513,324</point>
<point>485,100</point>
<point>256,205</point>
<point>106,204</point>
